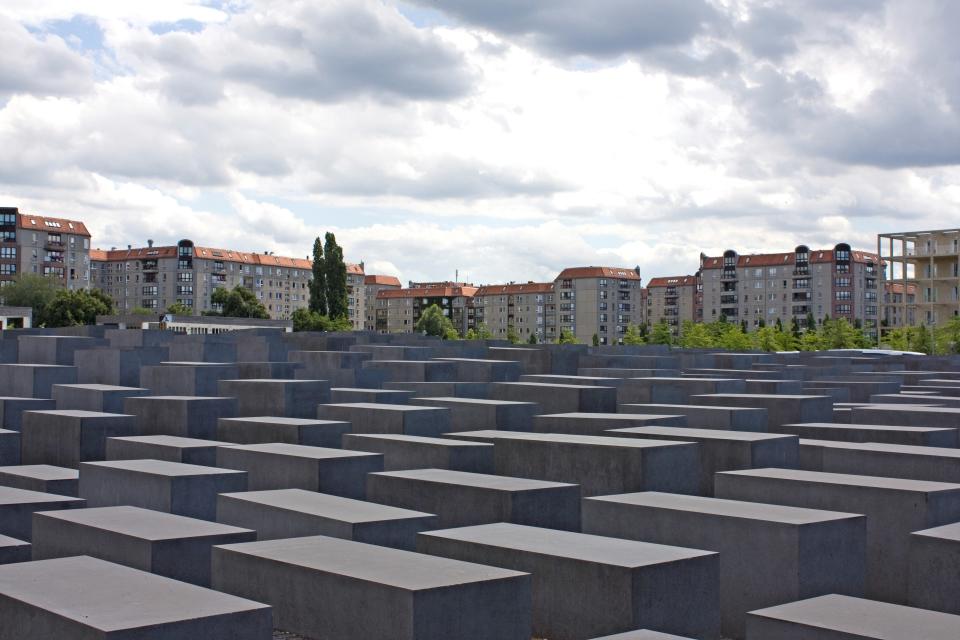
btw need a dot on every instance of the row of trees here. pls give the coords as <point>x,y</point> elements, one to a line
<point>54,306</point>
<point>943,340</point>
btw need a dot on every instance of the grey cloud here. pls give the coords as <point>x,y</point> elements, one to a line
<point>42,65</point>
<point>770,33</point>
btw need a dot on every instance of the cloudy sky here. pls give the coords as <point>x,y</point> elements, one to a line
<point>505,139</point>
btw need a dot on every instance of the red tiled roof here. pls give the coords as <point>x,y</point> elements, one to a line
<point>355,269</point>
<point>574,273</point>
<point>206,253</point>
<point>672,281</point>
<point>428,292</point>
<point>897,287</point>
<point>389,281</point>
<point>509,289</point>
<point>774,259</point>
<point>51,225</point>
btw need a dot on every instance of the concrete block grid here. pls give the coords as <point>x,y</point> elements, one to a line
<point>361,486</point>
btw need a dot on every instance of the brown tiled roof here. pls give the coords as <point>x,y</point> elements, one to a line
<point>428,292</point>
<point>618,273</point>
<point>817,256</point>
<point>672,281</point>
<point>510,289</point>
<point>355,269</point>
<point>51,225</point>
<point>389,281</point>
<point>206,253</point>
<point>897,287</point>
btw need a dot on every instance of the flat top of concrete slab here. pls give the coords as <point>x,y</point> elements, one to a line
<point>642,634</point>
<point>144,523</point>
<point>703,434</point>
<point>726,508</point>
<point>273,381</point>
<point>950,532</point>
<point>9,495</point>
<point>566,544</point>
<point>765,396</point>
<point>680,408</point>
<point>377,391</point>
<point>6,432</point>
<point>382,565</point>
<point>881,447</point>
<point>607,416</point>
<point>480,402</point>
<point>483,360</point>
<point>7,542</point>
<point>79,413</point>
<point>684,379</point>
<point>866,618</point>
<point>279,420</point>
<point>871,427</point>
<point>179,398</point>
<point>552,385</point>
<point>479,480</point>
<point>112,597</point>
<point>41,472</point>
<point>553,376</point>
<point>18,399</point>
<point>918,408</point>
<point>446,442</point>
<point>325,505</point>
<point>418,362</point>
<point>187,363</point>
<point>173,441</point>
<point>564,438</point>
<point>299,451</point>
<point>98,387</point>
<point>373,406</point>
<point>876,482</point>
<point>36,366</point>
<point>160,468</point>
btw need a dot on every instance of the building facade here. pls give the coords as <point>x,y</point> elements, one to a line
<point>53,247</point>
<point>928,262</point>
<point>356,295</point>
<point>528,309</point>
<point>760,289</point>
<point>675,299</point>
<point>601,301</point>
<point>899,305</point>
<point>398,310</point>
<point>372,285</point>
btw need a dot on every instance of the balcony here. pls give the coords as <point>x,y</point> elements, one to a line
<point>728,275</point>
<point>801,271</point>
<point>53,245</point>
<point>804,296</point>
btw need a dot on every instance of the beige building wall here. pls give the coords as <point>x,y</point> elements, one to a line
<point>41,245</point>
<point>673,299</point>
<point>927,262</point>
<point>598,300</point>
<point>529,308</point>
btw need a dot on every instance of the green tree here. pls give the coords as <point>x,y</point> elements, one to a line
<point>595,340</point>
<point>532,339</point>
<point>75,307</point>
<point>238,302</point>
<point>306,320</point>
<point>795,329</point>
<point>839,334</point>
<point>948,336</point>
<point>633,336</point>
<point>142,311</point>
<point>696,335</point>
<point>30,290</point>
<point>335,270</point>
<point>567,337</point>
<point>433,322</point>
<point>921,340</point>
<point>661,334</point>
<point>318,281</point>
<point>897,339</point>
<point>811,321</point>
<point>179,309</point>
<point>734,338</point>
<point>512,334</point>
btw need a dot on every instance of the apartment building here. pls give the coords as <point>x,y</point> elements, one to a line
<point>41,245</point>
<point>928,261</point>
<point>356,295</point>
<point>763,288</point>
<point>154,277</point>
<point>598,300</point>
<point>675,299</point>
<point>529,309</point>
<point>372,285</point>
<point>398,310</point>
<point>899,305</point>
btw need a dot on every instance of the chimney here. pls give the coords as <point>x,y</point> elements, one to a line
<point>129,246</point>
<point>150,243</point>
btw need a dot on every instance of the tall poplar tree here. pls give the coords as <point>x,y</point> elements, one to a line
<point>335,272</point>
<point>318,283</point>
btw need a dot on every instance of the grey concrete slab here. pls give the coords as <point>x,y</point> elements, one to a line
<point>415,452</point>
<point>116,366</point>
<point>295,513</point>
<point>642,634</point>
<point>161,543</point>
<point>585,585</point>
<point>288,398</point>
<point>838,617</point>
<point>596,381</point>
<point>170,448</point>
<point>94,397</point>
<point>394,351</point>
<point>480,370</point>
<point>595,424</point>
<point>442,389</point>
<point>65,438</point>
<point>54,349</point>
<point>707,417</point>
<point>894,508</point>
<point>343,395</point>
<point>186,379</point>
<point>802,552</point>
<point>293,466</point>
<point>357,590</point>
<point>467,414</point>
<point>935,569</point>
<point>43,478</point>
<point>558,398</point>
<point>890,434</point>
<point>600,465</point>
<point>12,409</point>
<point>659,390</point>
<point>938,464</point>
<point>414,370</point>
<point>9,447</point>
<point>908,415</point>
<point>725,450</point>
<point>86,598</point>
<point>34,380</point>
<point>366,417</point>
<point>792,387</point>
<point>914,398</point>
<point>172,487</point>
<point>264,429</point>
<point>13,550</point>
<point>623,373</point>
<point>462,499</point>
<point>17,507</point>
<point>781,408</point>
<point>184,416</point>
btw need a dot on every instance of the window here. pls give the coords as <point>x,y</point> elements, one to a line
<point>8,253</point>
<point>185,290</point>
<point>8,269</point>
<point>185,276</point>
<point>843,281</point>
<point>843,295</point>
<point>151,291</point>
